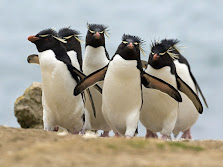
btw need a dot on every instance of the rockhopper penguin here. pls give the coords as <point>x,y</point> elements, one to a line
<point>60,107</point>
<point>95,57</point>
<point>159,111</point>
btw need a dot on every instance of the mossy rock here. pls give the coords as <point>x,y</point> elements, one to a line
<point>28,107</point>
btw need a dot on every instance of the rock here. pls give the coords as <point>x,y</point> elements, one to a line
<point>28,107</point>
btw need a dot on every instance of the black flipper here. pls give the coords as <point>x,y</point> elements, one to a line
<point>92,102</point>
<point>144,63</point>
<point>183,87</point>
<point>150,81</point>
<point>33,59</point>
<point>199,89</point>
<point>83,76</point>
<point>90,80</point>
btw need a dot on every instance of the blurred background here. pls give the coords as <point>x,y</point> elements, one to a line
<point>197,24</point>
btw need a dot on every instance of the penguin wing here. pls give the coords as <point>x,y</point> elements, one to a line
<point>183,87</point>
<point>33,59</point>
<point>144,63</point>
<point>90,80</point>
<point>82,76</point>
<point>150,81</point>
<point>198,88</point>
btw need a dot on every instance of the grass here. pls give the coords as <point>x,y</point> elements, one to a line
<point>185,146</point>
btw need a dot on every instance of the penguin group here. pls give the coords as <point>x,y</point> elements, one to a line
<point>103,93</point>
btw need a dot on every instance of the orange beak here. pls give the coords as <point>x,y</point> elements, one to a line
<point>32,38</point>
<point>130,45</point>
<point>156,57</point>
<point>97,35</point>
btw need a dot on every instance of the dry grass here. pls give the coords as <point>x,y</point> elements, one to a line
<point>37,148</point>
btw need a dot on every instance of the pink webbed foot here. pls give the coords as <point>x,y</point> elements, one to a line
<point>56,128</point>
<point>105,134</point>
<point>150,134</point>
<point>187,134</point>
<point>116,134</point>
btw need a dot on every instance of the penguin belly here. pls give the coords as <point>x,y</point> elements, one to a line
<point>74,61</point>
<point>187,113</point>
<point>121,97</point>
<point>159,111</point>
<point>94,59</point>
<point>60,106</point>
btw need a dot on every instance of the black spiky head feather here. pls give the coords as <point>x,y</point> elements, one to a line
<point>72,37</point>
<point>97,27</point>
<point>48,31</point>
<point>164,47</point>
<point>133,39</point>
<point>67,31</point>
<point>163,53</point>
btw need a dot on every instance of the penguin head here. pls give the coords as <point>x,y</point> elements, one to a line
<point>45,40</point>
<point>95,35</point>
<point>71,37</point>
<point>129,49</point>
<point>163,52</point>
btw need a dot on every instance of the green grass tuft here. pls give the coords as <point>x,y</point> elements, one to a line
<point>160,146</point>
<point>185,146</point>
<point>137,144</point>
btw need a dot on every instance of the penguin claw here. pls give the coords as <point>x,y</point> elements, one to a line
<point>150,134</point>
<point>187,134</point>
<point>56,128</point>
<point>105,134</point>
<point>116,134</point>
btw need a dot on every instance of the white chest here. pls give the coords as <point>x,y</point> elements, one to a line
<point>163,73</point>
<point>94,59</point>
<point>122,85</point>
<point>57,80</point>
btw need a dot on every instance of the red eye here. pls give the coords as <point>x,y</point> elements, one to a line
<point>46,39</point>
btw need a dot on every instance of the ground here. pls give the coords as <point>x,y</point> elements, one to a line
<point>38,148</point>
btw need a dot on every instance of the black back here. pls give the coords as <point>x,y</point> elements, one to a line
<point>163,49</point>
<point>72,42</point>
<point>90,37</point>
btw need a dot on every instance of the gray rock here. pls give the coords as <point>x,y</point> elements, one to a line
<point>28,107</point>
